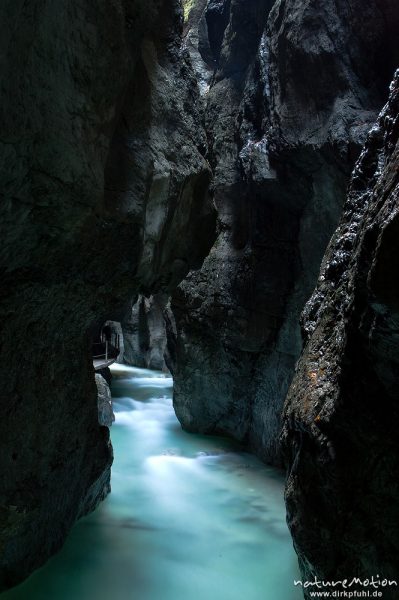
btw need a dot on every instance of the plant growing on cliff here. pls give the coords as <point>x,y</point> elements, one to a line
<point>187,6</point>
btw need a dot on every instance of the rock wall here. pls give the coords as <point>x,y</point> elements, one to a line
<point>106,159</point>
<point>104,402</point>
<point>144,333</point>
<point>341,416</point>
<point>296,85</point>
<point>104,195</point>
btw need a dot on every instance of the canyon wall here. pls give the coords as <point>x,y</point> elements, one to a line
<point>144,333</point>
<point>111,130</point>
<point>103,196</point>
<point>341,415</point>
<point>295,86</point>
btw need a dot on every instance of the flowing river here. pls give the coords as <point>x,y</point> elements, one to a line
<point>189,518</point>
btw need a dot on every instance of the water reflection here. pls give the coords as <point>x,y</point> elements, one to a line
<point>189,517</point>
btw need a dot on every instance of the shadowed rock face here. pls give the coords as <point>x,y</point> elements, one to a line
<point>144,333</point>
<point>104,402</point>
<point>341,415</point>
<point>104,195</point>
<point>293,94</point>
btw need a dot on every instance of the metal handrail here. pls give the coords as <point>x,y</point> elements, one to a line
<point>103,354</point>
<point>114,343</point>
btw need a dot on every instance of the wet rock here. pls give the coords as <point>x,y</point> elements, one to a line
<point>144,333</point>
<point>104,402</point>
<point>341,416</point>
<point>104,195</point>
<point>290,103</point>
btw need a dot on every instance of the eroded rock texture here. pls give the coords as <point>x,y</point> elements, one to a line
<point>104,402</point>
<point>104,195</point>
<point>293,94</point>
<point>341,416</point>
<point>144,333</point>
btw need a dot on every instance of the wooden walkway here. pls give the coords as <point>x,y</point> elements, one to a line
<point>101,363</point>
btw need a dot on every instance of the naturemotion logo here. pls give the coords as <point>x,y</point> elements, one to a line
<point>353,587</point>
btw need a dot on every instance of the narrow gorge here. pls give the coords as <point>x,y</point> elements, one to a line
<point>209,189</point>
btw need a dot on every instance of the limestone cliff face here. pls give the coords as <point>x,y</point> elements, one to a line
<point>341,415</point>
<point>296,85</point>
<point>144,333</point>
<point>104,402</point>
<point>104,195</point>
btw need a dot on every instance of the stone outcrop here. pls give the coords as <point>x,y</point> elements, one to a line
<point>144,333</point>
<point>341,415</point>
<point>104,402</point>
<point>110,132</point>
<point>104,195</point>
<point>293,93</point>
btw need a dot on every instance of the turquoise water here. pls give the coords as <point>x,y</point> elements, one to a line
<point>189,517</point>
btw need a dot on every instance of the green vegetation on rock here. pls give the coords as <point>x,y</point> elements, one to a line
<point>187,6</point>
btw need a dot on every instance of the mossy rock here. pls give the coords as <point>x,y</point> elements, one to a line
<point>187,6</point>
